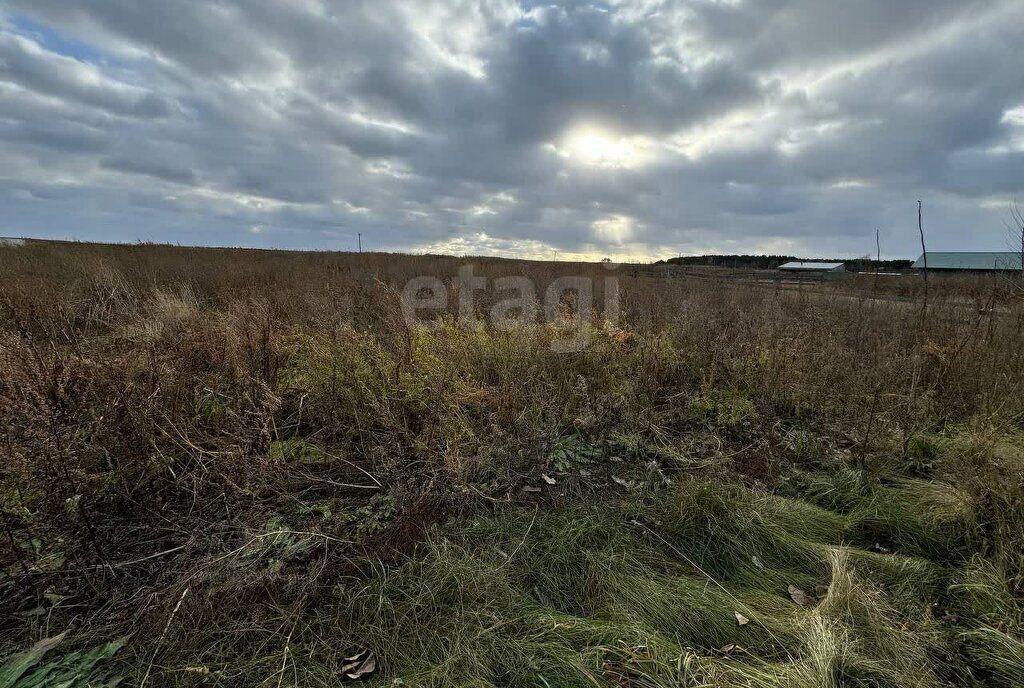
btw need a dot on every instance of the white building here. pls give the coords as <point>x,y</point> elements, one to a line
<point>812,267</point>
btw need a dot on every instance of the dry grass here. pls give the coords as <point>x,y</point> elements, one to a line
<point>248,464</point>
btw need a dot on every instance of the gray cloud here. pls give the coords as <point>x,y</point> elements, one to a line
<point>635,128</point>
<point>155,166</point>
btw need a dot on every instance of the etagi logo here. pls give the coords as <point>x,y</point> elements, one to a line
<point>568,305</point>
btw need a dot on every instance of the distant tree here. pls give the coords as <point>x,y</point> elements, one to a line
<point>733,261</point>
<point>750,262</point>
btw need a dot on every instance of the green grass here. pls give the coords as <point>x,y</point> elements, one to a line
<point>644,591</point>
<point>998,656</point>
<point>647,593</point>
<point>919,518</point>
<point>904,583</point>
<point>585,597</point>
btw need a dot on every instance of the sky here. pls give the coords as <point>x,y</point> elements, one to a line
<point>629,129</point>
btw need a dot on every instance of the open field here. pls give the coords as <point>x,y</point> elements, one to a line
<point>242,468</point>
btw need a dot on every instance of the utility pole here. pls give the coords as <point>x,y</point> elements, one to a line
<point>360,239</point>
<point>924,255</point>
<point>878,257</point>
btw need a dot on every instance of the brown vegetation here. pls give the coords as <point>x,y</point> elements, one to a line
<point>220,453</point>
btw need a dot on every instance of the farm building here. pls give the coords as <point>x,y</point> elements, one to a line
<point>808,267</point>
<point>970,261</point>
<point>11,241</point>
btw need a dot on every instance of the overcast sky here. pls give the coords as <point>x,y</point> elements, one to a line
<point>633,129</point>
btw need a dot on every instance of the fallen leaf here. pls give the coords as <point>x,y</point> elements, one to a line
<point>731,649</point>
<point>54,598</point>
<point>798,596</point>
<point>741,620</point>
<point>548,479</point>
<point>354,659</point>
<point>359,665</point>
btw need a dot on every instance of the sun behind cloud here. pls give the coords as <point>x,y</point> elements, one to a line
<point>592,146</point>
<point>614,230</point>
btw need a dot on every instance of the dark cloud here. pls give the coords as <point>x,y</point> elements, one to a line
<point>584,64</point>
<point>639,127</point>
<point>161,168</point>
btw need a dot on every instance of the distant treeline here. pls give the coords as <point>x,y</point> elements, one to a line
<point>772,262</point>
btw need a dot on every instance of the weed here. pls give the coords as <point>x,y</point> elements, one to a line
<point>374,517</point>
<point>247,462</point>
<point>36,668</point>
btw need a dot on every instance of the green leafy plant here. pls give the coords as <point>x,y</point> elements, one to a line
<point>77,669</point>
<point>572,451</point>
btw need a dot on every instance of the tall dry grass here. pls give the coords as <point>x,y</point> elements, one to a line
<point>257,426</point>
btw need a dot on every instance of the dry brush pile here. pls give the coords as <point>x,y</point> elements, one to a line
<point>239,468</point>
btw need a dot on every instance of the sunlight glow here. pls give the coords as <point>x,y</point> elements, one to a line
<point>595,147</point>
<point>613,229</point>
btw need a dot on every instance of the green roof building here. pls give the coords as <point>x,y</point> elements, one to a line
<point>971,261</point>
